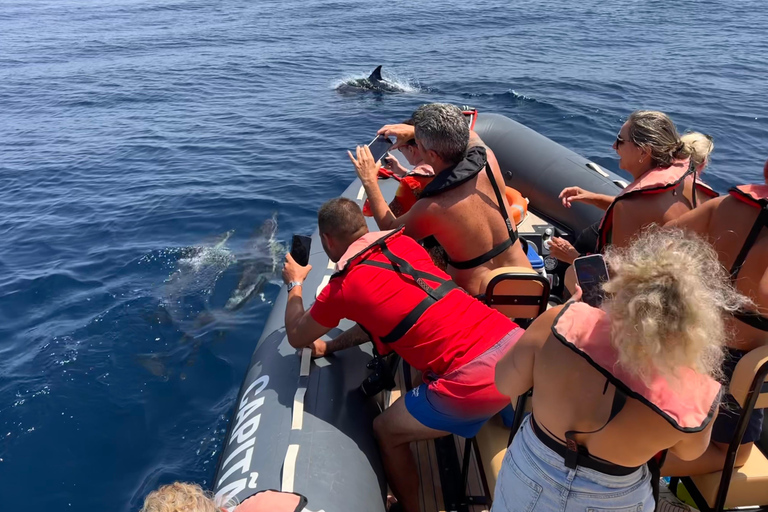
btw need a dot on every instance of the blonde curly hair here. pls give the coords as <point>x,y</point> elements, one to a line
<point>666,299</point>
<point>179,497</point>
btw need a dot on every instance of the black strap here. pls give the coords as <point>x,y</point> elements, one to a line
<point>760,222</point>
<point>403,268</point>
<point>495,251</point>
<point>476,262</point>
<point>752,319</point>
<point>694,191</point>
<point>500,199</point>
<point>576,451</point>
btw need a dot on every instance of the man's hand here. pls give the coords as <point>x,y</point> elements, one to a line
<point>402,133</point>
<point>570,194</point>
<point>319,348</point>
<point>562,249</point>
<point>365,167</point>
<point>292,271</point>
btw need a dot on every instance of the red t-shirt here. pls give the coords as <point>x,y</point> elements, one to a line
<point>449,334</point>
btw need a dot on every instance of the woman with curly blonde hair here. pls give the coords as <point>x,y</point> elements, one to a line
<point>615,385</point>
<point>182,497</point>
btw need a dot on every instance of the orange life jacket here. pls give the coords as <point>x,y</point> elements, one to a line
<point>688,404</point>
<point>272,501</point>
<point>652,182</point>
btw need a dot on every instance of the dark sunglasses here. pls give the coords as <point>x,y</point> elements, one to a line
<point>619,140</point>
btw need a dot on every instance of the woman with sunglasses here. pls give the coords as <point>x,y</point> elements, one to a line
<point>652,152</point>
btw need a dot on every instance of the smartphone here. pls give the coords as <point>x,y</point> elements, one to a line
<point>591,273</point>
<point>300,249</point>
<point>379,147</point>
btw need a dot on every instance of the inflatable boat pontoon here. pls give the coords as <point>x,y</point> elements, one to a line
<point>304,426</point>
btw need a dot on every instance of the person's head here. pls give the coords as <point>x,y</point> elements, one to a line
<point>648,139</point>
<point>442,134</point>
<point>700,146</point>
<point>179,497</point>
<point>666,299</point>
<point>765,172</point>
<point>340,222</point>
<point>411,150</point>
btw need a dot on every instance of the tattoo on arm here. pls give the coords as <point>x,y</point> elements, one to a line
<point>350,338</point>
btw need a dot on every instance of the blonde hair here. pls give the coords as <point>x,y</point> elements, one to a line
<point>666,299</point>
<point>700,146</point>
<point>656,131</point>
<point>179,497</point>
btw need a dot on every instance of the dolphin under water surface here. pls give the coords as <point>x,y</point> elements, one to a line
<point>259,265</point>
<point>375,82</point>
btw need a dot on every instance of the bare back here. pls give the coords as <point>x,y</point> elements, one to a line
<point>633,214</point>
<point>569,396</point>
<point>467,222</point>
<point>729,224</point>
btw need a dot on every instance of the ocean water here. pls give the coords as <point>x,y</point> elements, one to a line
<point>135,134</point>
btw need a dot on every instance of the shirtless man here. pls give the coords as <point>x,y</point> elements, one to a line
<point>459,207</point>
<point>727,222</point>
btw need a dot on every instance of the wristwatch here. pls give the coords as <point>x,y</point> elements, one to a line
<point>293,284</point>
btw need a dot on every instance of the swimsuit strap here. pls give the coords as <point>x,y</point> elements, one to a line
<point>575,451</point>
<point>760,222</point>
<point>495,251</point>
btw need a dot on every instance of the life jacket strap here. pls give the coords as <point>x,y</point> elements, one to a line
<point>760,222</point>
<point>576,451</point>
<point>418,277</point>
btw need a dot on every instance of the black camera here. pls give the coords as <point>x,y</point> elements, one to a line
<point>380,378</point>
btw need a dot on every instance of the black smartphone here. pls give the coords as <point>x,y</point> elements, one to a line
<point>300,249</point>
<point>379,147</point>
<point>591,273</point>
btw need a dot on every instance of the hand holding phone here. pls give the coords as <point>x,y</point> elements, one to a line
<point>300,246</point>
<point>379,147</point>
<point>591,273</point>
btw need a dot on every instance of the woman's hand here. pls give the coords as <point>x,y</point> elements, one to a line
<point>292,271</point>
<point>401,132</point>
<point>570,194</point>
<point>367,170</point>
<point>562,249</point>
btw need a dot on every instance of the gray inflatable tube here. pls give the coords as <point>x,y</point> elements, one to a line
<point>303,425</point>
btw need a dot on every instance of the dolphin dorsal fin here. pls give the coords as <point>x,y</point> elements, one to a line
<point>376,75</point>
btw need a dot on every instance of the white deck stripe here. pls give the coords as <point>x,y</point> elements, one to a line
<point>323,284</point>
<point>306,358</point>
<point>298,409</point>
<point>289,468</point>
<point>361,194</point>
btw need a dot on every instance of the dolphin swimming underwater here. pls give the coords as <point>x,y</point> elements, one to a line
<point>259,265</point>
<point>375,82</point>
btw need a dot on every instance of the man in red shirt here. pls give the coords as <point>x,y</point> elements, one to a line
<point>388,284</point>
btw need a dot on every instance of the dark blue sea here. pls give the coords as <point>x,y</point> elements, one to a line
<point>135,134</point>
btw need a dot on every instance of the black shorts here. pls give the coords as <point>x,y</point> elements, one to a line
<point>728,417</point>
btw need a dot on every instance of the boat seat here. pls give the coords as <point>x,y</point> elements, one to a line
<point>746,486</point>
<point>516,292</point>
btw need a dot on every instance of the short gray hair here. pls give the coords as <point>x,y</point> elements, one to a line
<point>442,128</point>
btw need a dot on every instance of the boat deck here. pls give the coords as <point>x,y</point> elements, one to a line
<point>430,454</point>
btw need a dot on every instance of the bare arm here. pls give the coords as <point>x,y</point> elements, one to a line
<point>571,194</point>
<point>300,327</point>
<point>514,371</point>
<point>350,338</point>
<point>692,446</point>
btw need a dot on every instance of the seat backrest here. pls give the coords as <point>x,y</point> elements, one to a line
<point>753,365</point>
<point>516,292</point>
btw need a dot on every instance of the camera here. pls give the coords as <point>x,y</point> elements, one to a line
<point>380,378</point>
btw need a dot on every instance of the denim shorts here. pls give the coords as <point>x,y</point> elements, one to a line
<point>533,477</point>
